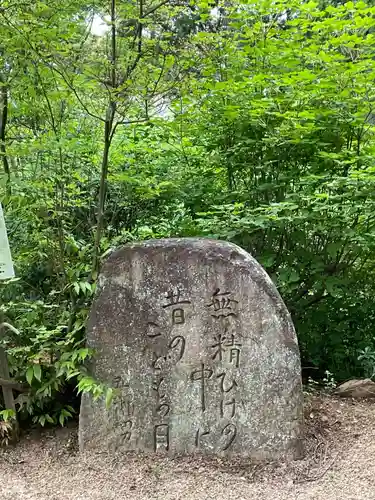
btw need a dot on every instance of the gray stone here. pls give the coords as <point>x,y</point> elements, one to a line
<point>357,389</point>
<point>202,350</point>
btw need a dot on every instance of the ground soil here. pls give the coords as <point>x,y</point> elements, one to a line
<point>339,464</point>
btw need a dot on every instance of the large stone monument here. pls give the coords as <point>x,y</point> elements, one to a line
<point>201,349</point>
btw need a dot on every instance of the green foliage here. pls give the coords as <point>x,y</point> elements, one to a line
<point>327,383</point>
<point>253,124</point>
<point>7,418</point>
<point>284,133</point>
<point>367,358</point>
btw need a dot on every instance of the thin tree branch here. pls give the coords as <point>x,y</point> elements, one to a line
<point>154,9</point>
<point>108,136</point>
<point>128,122</point>
<point>113,45</point>
<point>49,106</point>
<point>139,32</point>
<point>74,90</point>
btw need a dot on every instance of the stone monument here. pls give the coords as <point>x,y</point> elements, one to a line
<point>201,350</point>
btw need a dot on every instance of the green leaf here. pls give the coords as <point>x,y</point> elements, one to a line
<point>30,374</point>
<point>332,288</point>
<point>108,397</point>
<point>49,419</point>
<point>83,354</point>
<point>7,414</point>
<point>37,371</point>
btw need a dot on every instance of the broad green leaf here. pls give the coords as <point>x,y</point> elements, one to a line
<point>30,374</point>
<point>37,371</point>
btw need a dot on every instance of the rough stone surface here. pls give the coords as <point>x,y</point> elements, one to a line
<point>357,389</point>
<point>202,350</point>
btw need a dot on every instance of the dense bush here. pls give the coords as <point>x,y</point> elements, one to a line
<point>252,123</point>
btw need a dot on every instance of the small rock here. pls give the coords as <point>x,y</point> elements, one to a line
<point>357,389</point>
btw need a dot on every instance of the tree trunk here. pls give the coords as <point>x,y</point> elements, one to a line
<point>108,126</point>
<point>108,134</point>
<point>3,124</point>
